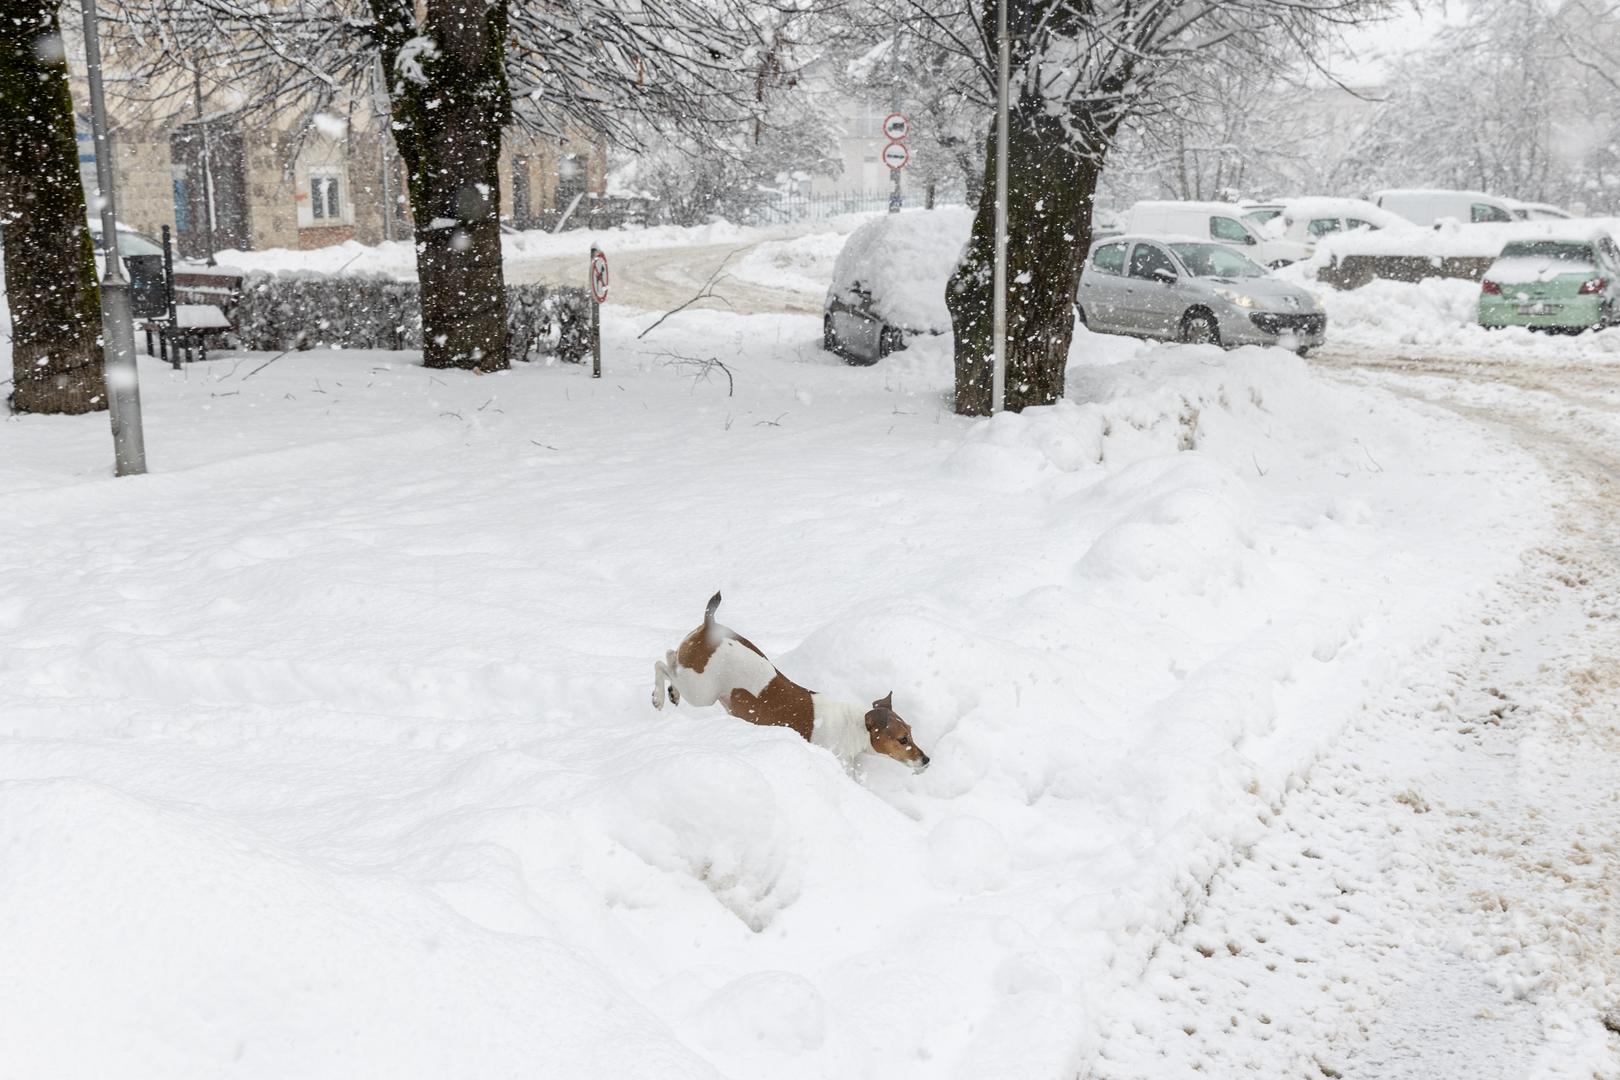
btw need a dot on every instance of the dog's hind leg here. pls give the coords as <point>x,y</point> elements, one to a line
<point>664,681</point>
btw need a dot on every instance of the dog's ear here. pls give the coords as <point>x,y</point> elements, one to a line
<point>884,702</point>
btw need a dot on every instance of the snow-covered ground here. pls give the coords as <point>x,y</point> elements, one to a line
<point>327,746</point>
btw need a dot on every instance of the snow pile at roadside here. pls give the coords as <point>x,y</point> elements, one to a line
<point>1454,240</point>
<point>339,758</point>
<point>1441,315</point>
<point>912,254</point>
<point>803,264</point>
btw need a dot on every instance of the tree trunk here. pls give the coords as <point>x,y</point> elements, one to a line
<point>447,126</point>
<point>1050,184</point>
<point>49,263</point>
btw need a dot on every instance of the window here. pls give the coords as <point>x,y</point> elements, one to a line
<point>1320,227</point>
<point>1146,259</point>
<point>1485,212</point>
<point>325,197</point>
<point>1109,258</point>
<point>1229,229</point>
<point>1357,223</point>
<point>1216,260</point>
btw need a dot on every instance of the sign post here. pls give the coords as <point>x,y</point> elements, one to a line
<point>895,128</point>
<point>599,295</point>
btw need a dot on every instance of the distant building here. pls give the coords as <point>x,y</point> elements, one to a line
<point>285,184</point>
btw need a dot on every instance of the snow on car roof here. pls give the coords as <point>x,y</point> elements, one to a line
<point>904,260</point>
<point>1180,204</point>
<point>1320,206</point>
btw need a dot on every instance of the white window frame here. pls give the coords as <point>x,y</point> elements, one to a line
<point>319,181</point>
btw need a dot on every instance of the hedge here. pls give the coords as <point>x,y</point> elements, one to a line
<point>306,310</point>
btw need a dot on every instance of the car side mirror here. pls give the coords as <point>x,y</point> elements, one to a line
<point>1167,277</point>
<point>1248,238</point>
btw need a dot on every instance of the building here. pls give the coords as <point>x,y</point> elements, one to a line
<point>300,181</point>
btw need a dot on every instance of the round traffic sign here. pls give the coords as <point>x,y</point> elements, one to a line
<point>599,275</point>
<point>896,126</point>
<point>895,156</point>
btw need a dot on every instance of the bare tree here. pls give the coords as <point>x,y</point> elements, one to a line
<point>1517,100</point>
<point>1081,69</point>
<point>50,269</point>
<point>456,72</point>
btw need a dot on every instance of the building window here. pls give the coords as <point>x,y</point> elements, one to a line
<point>325,197</point>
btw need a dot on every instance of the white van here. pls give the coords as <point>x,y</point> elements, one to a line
<point>1217,221</point>
<point>1426,207</point>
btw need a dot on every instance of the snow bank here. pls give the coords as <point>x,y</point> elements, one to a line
<point>912,254</point>
<point>1452,240</point>
<point>1441,315</point>
<point>338,759</point>
<point>398,258</point>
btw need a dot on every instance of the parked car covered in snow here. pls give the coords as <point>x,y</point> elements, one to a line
<point>1193,290</point>
<point>889,282</point>
<point>1535,211</point>
<point>1305,221</point>
<point>1221,223</point>
<point>1568,284</point>
<point>1427,206</point>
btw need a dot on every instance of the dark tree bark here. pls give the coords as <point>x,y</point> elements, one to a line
<point>49,262</point>
<point>447,125</point>
<point>1050,188</point>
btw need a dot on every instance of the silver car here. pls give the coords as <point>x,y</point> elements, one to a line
<point>1193,291</point>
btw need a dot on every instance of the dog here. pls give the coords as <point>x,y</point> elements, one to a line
<point>714,664</point>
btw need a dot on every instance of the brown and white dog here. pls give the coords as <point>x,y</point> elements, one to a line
<point>715,664</point>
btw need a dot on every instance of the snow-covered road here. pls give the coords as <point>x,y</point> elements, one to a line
<point>1442,898</point>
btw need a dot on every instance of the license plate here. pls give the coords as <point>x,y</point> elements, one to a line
<point>1538,309</point>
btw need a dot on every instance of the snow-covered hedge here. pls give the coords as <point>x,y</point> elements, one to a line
<point>302,310</point>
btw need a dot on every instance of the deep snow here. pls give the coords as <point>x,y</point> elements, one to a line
<point>325,749</point>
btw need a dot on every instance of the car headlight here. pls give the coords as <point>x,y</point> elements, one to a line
<point>1232,296</point>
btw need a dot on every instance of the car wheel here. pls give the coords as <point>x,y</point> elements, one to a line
<point>1199,328</point>
<point>890,340</point>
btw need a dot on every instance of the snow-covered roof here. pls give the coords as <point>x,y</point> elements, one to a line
<point>905,260</point>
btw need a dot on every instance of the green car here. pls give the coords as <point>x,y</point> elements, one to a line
<point>1563,284</point>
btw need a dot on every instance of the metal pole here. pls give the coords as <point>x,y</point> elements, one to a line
<point>596,318</point>
<point>207,166</point>
<point>117,322</point>
<point>998,377</point>
<point>384,137</point>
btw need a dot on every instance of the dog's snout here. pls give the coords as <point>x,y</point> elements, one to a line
<point>922,762</point>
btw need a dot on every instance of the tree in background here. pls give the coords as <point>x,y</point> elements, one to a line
<point>455,72</point>
<point>1519,100</point>
<point>50,267</point>
<point>1226,125</point>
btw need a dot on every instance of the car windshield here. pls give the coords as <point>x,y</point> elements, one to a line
<point>1560,250</point>
<point>1260,217</point>
<point>1216,260</point>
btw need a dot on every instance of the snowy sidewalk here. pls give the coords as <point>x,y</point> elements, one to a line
<point>1442,898</point>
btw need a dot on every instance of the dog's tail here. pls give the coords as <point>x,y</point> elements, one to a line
<point>708,612</point>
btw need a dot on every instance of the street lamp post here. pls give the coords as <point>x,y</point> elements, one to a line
<point>117,322</point>
<point>998,377</point>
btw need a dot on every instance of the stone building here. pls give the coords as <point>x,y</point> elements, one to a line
<point>302,181</point>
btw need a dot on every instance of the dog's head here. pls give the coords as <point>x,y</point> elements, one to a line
<point>891,736</point>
